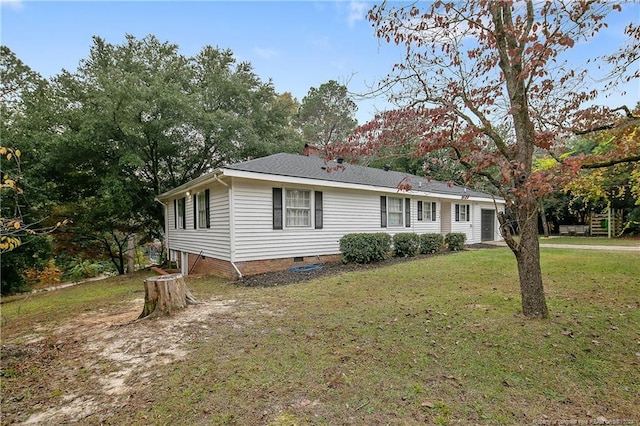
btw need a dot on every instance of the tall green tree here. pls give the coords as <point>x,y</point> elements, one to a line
<point>138,118</point>
<point>327,114</point>
<point>237,115</point>
<point>25,131</point>
<point>24,202</point>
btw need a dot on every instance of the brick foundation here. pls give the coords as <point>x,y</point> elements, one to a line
<point>203,265</point>
<point>222,268</point>
<point>269,265</point>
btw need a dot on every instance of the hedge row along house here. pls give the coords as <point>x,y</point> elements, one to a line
<point>287,210</point>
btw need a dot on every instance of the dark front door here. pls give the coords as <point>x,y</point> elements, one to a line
<point>487,224</point>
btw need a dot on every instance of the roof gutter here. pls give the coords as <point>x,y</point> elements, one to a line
<point>187,186</point>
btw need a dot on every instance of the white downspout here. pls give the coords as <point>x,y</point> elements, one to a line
<point>217,178</point>
<point>237,270</point>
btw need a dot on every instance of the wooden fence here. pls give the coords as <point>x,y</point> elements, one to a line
<point>600,223</point>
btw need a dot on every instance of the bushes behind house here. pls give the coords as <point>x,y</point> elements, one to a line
<point>455,241</point>
<point>406,244</point>
<point>431,243</point>
<point>365,248</point>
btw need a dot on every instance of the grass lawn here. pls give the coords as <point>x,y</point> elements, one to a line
<point>594,241</point>
<point>434,341</point>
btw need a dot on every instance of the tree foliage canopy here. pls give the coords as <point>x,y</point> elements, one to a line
<point>138,118</point>
<point>133,120</point>
<point>327,114</point>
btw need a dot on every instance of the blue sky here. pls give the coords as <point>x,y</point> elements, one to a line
<point>296,44</point>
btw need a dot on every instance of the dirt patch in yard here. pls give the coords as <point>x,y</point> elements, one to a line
<point>92,365</point>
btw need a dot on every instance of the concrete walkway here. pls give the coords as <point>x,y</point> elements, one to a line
<point>580,247</point>
<point>591,247</point>
<point>71,284</point>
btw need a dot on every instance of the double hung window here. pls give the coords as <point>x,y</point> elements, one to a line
<point>463,213</point>
<point>204,220</point>
<point>395,212</point>
<point>427,211</point>
<point>180,212</point>
<point>297,208</point>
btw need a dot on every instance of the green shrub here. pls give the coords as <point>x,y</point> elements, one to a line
<point>431,243</point>
<point>455,240</point>
<point>365,248</point>
<point>406,244</point>
<point>83,269</point>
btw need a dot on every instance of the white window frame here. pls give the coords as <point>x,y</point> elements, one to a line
<point>431,211</point>
<point>201,200</point>
<point>462,213</point>
<point>428,210</point>
<point>181,206</point>
<point>298,209</point>
<point>394,213</point>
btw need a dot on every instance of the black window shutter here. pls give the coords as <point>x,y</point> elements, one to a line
<point>457,212</point>
<point>175,214</point>
<point>318,209</point>
<point>383,211</point>
<point>468,213</point>
<point>433,212</point>
<point>419,210</point>
<point>195,211</point>
<point>277,208</point>
<point>407,212</point>
<point>207,195</point>
<point>184,213</point>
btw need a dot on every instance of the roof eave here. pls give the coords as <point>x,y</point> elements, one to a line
<point>201,180</point>
<point>337,184</point>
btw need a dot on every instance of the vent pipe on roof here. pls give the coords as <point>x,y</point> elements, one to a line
<point>339,160</point>
<point>386,167</point>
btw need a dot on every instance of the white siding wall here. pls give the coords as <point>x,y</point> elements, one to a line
<point>446,216</point>
<point>473,227</point>
<point>344,211</point>
<point>477,208</point>
<point>463,227</point>
<point>212,242</point>
<point>255,238</point>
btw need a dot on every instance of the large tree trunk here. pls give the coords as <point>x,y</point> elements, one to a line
<point>165,294</point>
<point>131,254</point>
<point>527,252</point>
<point>534,304</point>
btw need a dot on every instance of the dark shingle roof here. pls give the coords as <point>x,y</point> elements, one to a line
<point>311,167</point>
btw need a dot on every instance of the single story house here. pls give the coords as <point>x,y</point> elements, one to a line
<point>283,210</point>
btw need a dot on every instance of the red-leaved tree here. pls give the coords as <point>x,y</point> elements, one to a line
<point>491,82</point>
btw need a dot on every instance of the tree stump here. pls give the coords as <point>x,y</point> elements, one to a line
<point>165,294</point>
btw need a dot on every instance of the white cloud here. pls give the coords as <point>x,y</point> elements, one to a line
<point>266,53</point>
<point>13,4</point>
<point>357,12</point>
